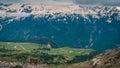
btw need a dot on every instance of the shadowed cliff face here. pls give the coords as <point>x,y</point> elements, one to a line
<point>72,30</point>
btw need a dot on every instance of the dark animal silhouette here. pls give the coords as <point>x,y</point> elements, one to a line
<point>33,61</point>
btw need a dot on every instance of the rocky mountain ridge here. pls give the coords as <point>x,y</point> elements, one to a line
<point>65,24</point>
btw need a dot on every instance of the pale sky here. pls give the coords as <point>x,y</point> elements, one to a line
<point>86,2</point>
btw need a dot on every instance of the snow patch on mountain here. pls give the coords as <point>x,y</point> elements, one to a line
<point>118,8</point>
<point>38,9</point>
<point>18,11</point>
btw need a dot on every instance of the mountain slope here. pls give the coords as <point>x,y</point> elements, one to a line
<point>86,27</point>
<point>108,59</point>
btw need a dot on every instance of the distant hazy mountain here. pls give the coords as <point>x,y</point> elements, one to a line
<point>64,24</point>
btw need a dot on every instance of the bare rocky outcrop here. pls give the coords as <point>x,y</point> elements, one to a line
<point>107,59</point>
<point>4,64</point>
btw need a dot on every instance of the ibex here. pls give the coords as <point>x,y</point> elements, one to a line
<point>33,61</point>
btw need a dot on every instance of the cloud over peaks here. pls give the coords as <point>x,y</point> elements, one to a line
<point>98,2</point>
<point>84,2</point>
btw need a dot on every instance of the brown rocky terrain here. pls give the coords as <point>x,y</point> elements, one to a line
<point>4,64</point>
<point>107,59</point>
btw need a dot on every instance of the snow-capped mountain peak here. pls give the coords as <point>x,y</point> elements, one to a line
<point>65,23</point>
<point>38,9</point>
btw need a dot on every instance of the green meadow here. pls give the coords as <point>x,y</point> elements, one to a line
<point>14,51</point>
